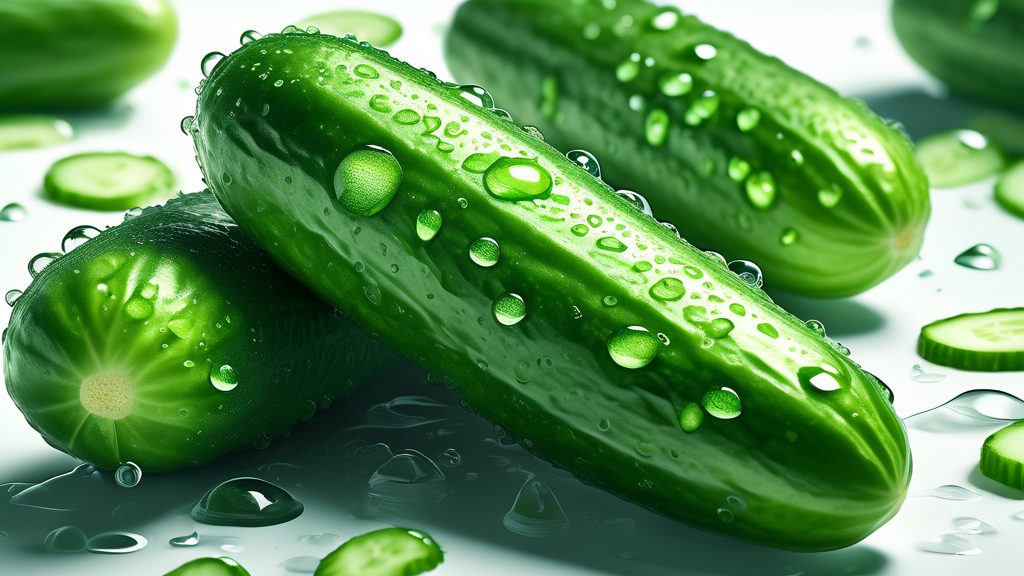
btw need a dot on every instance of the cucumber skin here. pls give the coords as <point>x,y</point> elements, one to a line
<point>873,232</point>
<point>980,59</point>
<point>995,466</point>
<point>68,53</point>
<point>971,360</point>
<point>193,247</point>
<point>839,479</point>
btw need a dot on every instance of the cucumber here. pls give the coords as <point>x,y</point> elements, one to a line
<point>377,29</point>
<point>386,552</point>
<point>1010,190</point>
<point>557,308</point>
<point>990,341</point>
<point>974,46</point>
<point>171,339</point>
<point>107,180</point>
<point>1002,456</point>
<point>222,566</point>
<point>959,157</point>
<point>19,132</point>
<point>743,154</point>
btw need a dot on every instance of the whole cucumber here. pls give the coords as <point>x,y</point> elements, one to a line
<point>555,307</point>
<point>66,53</point>
<point>171,339</point>
<point>743,154</point>
<point>974,46</point>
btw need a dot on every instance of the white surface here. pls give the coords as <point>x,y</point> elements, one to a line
<point>881,327</point>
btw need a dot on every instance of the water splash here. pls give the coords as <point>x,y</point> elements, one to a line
<point>970,409</point>
<point>954,544</point>
<point>407,479</point>
<point>536,512</point>
<point>918,374</point>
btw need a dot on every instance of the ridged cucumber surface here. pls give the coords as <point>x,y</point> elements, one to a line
<point>555,307</point>
<point>743,154</point>
<point>171,339</point>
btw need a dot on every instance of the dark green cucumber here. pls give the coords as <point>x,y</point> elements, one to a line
<point>743,154</point>
<point>974,46</point>
<point>556,308</point>
<point>171,339</point>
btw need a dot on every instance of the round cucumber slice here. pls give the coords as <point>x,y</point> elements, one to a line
<point>23,132</point>
<point>107,180</point>
<point>387,552</point>
<point>1010,190</point>
<point>1002,456</point>
<point>986,342</point>
<point>958,157</point>
<point>377,29</point>
<point>222,566</point>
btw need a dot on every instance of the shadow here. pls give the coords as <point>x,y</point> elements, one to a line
<point>326,465</point>
<point>979,480</point>
<point>843,317</point>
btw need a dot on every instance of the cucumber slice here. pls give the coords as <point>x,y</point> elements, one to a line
<point>107,180</point>
<point>377,29</point>
<point>1002,456</point>
<point>222,566</point>
<point>1010,190</point>
<point>387,552</point>
<point>986,342</point>
<point>23,132</point>
<point>958,157</point>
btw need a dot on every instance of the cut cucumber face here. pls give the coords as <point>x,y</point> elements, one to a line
<point>377,29</point>
<point>985,342</point>
<point>958,157</point>
<point>387,552</point>
<point>107,180</point>
<point>1010,190</point>
<point>24,132</point>
<point>1002,456</point>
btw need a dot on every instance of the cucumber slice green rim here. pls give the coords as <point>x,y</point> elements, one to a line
<point>985,342</point>
<point>1010,190</point>
<point>377,29</point>
<point>958,157</point>
<point>107,180</point>
<point>387,552</point>
<point>1002,456</point>
<point>30,131</point>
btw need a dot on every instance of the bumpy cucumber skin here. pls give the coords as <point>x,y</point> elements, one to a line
<point>67,53</point>
<point>977,56</point>
<point>999,466</point>
<point>816,470</point>
<point>874,230</point>
<point>288,349</point>
<point>972,360</point>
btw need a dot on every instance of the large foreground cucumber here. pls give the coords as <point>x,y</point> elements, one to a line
<point>974,46</point>
<point>557,308</point>
<point>743,154</point>
<point>171,339</point>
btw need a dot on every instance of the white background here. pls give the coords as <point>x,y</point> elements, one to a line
<point>848,45</point>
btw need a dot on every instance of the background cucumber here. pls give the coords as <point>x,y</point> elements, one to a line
<point>171,339</point>
<point>555,307</point>
<point>1010,190</point>
<point>107,180</point>
<point>974,46</point>
<point>743,154</point>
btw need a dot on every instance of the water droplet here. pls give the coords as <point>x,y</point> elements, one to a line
<point>675,84</point>
<point>748,119</point>
<point>918,374</point>
<point>477,95</point>
<point>12,296</point>
<point>301,564</point>
<point>77,236</point>
<point>406,480</point>
<point>702,108</point>
<point>12,212</point>
<point>186,125</point>
<point>450,458</point>
<point>691,417</point>
<point>816,327</point>
<point>116,543</point>
<point>726,515</point>
<point>738,168</point>
<point>185,541</point>
<point>585,160</point>
<point>953,544</point>
<point>485,252</point>
<point>224,378</point>
<point>610,301</point>
<point>128,475</point>
<point>629,69</point>
<point>633,347</point>
<point>534,132</point>
<point>595,221</point>
<point>580,230</point>
<point>367,180</point>
<point>719,328</point>
<point>656,127</point>
<point>480,162</point>
<point>41,261</point>
<point>789,237</point>
<point>722,403</point>
<point>668,289</point>
<point>761,190</point>
<point>666,20</point>
<point>428,223</point>
<point>969,525</point>
<point>826,378</point>
<point>704,51</point>
<point>366,71</point>
<point>209,63</point>
<point>829,198</point>
<point>517,179</point>
<point>65,540</point>
<point>748,272</point>
<point>611,243</point>
<point>322,539</point>
<point>509,309</point>
<point>979,257</point>
<point>502,114</point>
<point>637,200</point>
<point>536,513</point>
<point>246,502</point>
<point>249,36</point>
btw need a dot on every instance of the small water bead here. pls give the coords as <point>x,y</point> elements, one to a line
<point>485,252</point>
<point>13,212</point>
<point>585,160</point>
<point>738,169</point>
<point>609,301</point>
<point>246,502</point>
<point>517,179</point>
<point>536,513</point>
<point>748,272</point>
<point>768,330</point>
<point>726,515</point>
<point>428,224</point>
<point>829,198</point>
<point>642,266</point>
<point>366,71</point>
<point>722,403</point>
<point>719,328</point>
<point>816,327</point>
<point>656,127</point>
<point>919,375</point>
<point>249,36</point>
<point>477,95</point>
<point>509,309</point>
<point>633,347</point>
<point>671,228</point>
<point>611,244</point>
<point>748,119</point>
<point>629,69</point>
<point>595,221</point>
<point>66,540</point>
<point>667,289</point>
<point>825,378</point>
<point>666,20</point>
<point>209,63</point>
<point>224,378</point>
<point>185,541</point>
<point>406,117</point>
<point>301,564</point>
<point>367,180</point>
<point>979,257</point>
<point>500,113</point>
<point>479,163</point>
<point>675,84</point>
<point>580,230</point>
<point>186,125</point>
<point>761,190</point>
<point>407,480</point>
<point>12,296</point>
<point>637,200</point>
<point>637,102</point>
<point>691,417</point>
<point>450,458</point>
<point>41,261</point>
<point>703,108</point>
<point>789,237</point>
<point>128,475</point>
<point>116,543</point>
<point>278,83</point>
<point>77,236</point>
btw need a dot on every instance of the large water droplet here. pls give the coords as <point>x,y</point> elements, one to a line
<point>428,223</point>
<point>637,200</point>
<point>668,289</point>
<point>748,119</point>
<point>246,502</point>
<point>128,475</point>
<point>509,309</point>
<point>12,296</point>
<point>585,160</point>
<point>656,127</point>
<point>366,180</point>
<point>12,212</point>
<point>209,63</point>
<point>65,540</point>
<point>829,197</point>
<point>748,272</point>
<point>249,36</point>
<point>970,409</point>
<point>116,543</point>
<point>761,190</point>
<point>477,95</point>
<point>691,417</point>
<point>485,252</point>
<point>77,236</point>
<point>517,179</point>
<point>979,257</point>
<point>224,378</point>
<point>719,328</point>
<point>666,20</point>
<point>407,479</point>
<point>722,403</point>
<point>536,513</point>
<point>633,347</point>
<point>479,163</point>
<point>825,378</point>
<point>41,261</point>
<point>675,84</point>
<point>738,169</point>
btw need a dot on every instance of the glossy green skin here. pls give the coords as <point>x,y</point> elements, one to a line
<point>875,229</point>
<point>67,53</point>
<point>209,567</point>
<point>975,56</point>
<point>844,472</point>
<point>290,351</point>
